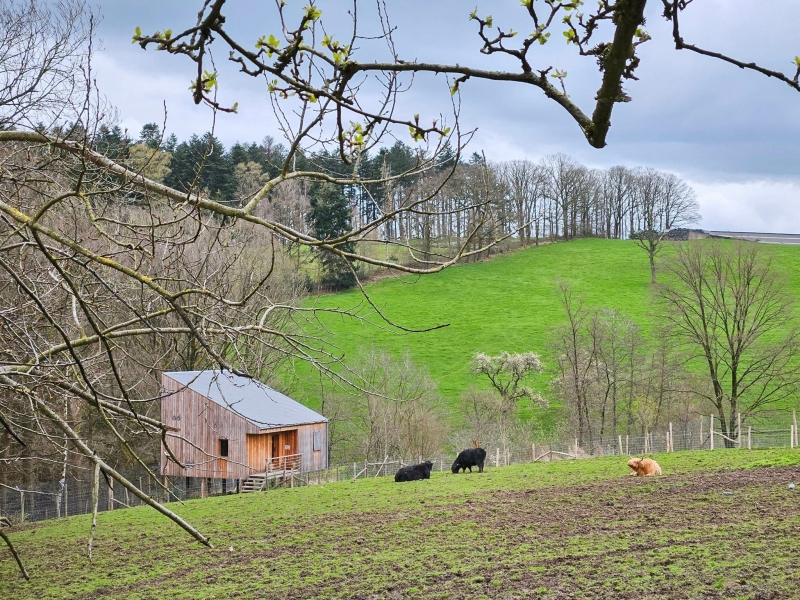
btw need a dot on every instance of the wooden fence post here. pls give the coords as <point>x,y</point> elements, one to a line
<point>619,439</point>
<point>749,438</point>
<point>22,506</point>
<point>497,458</point>
<point>627,448</point>
<point>791,436</point>
<point>711,430</point>
<point>533,452</point>
<point>508,456</point>
<point>671,439</point>
<point>203,484</point>
<point>576,447</point>
<point>794,422</point>
<point>110,494</point>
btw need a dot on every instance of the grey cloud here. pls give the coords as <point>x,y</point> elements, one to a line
<point>690,114</point>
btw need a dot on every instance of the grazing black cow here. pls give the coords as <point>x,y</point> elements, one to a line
<point>414,472</point>
<point>466,459</point>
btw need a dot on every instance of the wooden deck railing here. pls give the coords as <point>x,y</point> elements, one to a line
<point>280,465</point>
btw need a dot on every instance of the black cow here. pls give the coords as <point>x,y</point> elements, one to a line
<point>414,472</point>
<point>466,459</point>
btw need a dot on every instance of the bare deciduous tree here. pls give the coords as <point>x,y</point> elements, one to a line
<point>42,51</point>
<point>525,183</point>
<point>728,307</point>
<point>663,201</point>
<point>398,413</point>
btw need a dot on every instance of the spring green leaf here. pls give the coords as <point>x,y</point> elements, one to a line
<point>312,12</point>
<point>209,80</point>
<point>415,133</point>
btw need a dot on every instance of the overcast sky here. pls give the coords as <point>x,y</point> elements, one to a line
<point>732,134</point>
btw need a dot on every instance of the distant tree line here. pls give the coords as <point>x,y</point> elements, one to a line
<point>555,198</point>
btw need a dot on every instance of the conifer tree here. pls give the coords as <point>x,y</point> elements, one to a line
<point>330,218</point>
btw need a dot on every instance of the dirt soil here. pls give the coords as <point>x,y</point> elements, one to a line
<point>706,535</point>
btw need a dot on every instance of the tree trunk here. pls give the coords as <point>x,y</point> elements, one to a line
<point>652,266</point>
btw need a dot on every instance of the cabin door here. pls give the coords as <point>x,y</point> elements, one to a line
<point>276,445</point>
<point>258,450</point>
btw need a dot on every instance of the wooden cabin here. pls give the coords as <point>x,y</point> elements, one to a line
<point>224,426</point>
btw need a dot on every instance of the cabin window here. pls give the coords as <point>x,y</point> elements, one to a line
<point>223,448</point>
<point>317,441</point>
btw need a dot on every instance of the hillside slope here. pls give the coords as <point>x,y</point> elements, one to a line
<point>506,303</point>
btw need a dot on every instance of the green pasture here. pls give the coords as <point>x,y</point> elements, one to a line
<point>722,523</point>
<point>509,303</point>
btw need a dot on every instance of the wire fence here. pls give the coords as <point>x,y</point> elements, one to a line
<point>74,494</point>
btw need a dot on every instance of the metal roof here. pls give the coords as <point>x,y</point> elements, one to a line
<point>249,398</point>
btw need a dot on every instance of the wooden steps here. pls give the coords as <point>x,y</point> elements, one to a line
<point>254,483</point>
<point>257,481</point>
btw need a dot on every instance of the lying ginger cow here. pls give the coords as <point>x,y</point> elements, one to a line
<point>644,466</point>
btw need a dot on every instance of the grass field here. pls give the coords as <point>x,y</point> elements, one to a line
<point>506,303</point>
<point>718,524</point>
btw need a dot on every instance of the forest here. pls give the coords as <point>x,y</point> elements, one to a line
<point>526,201</point>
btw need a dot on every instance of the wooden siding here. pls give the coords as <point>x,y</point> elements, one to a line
<point>313,460</point>
<point>200,423</point>
<point>259,449</point>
